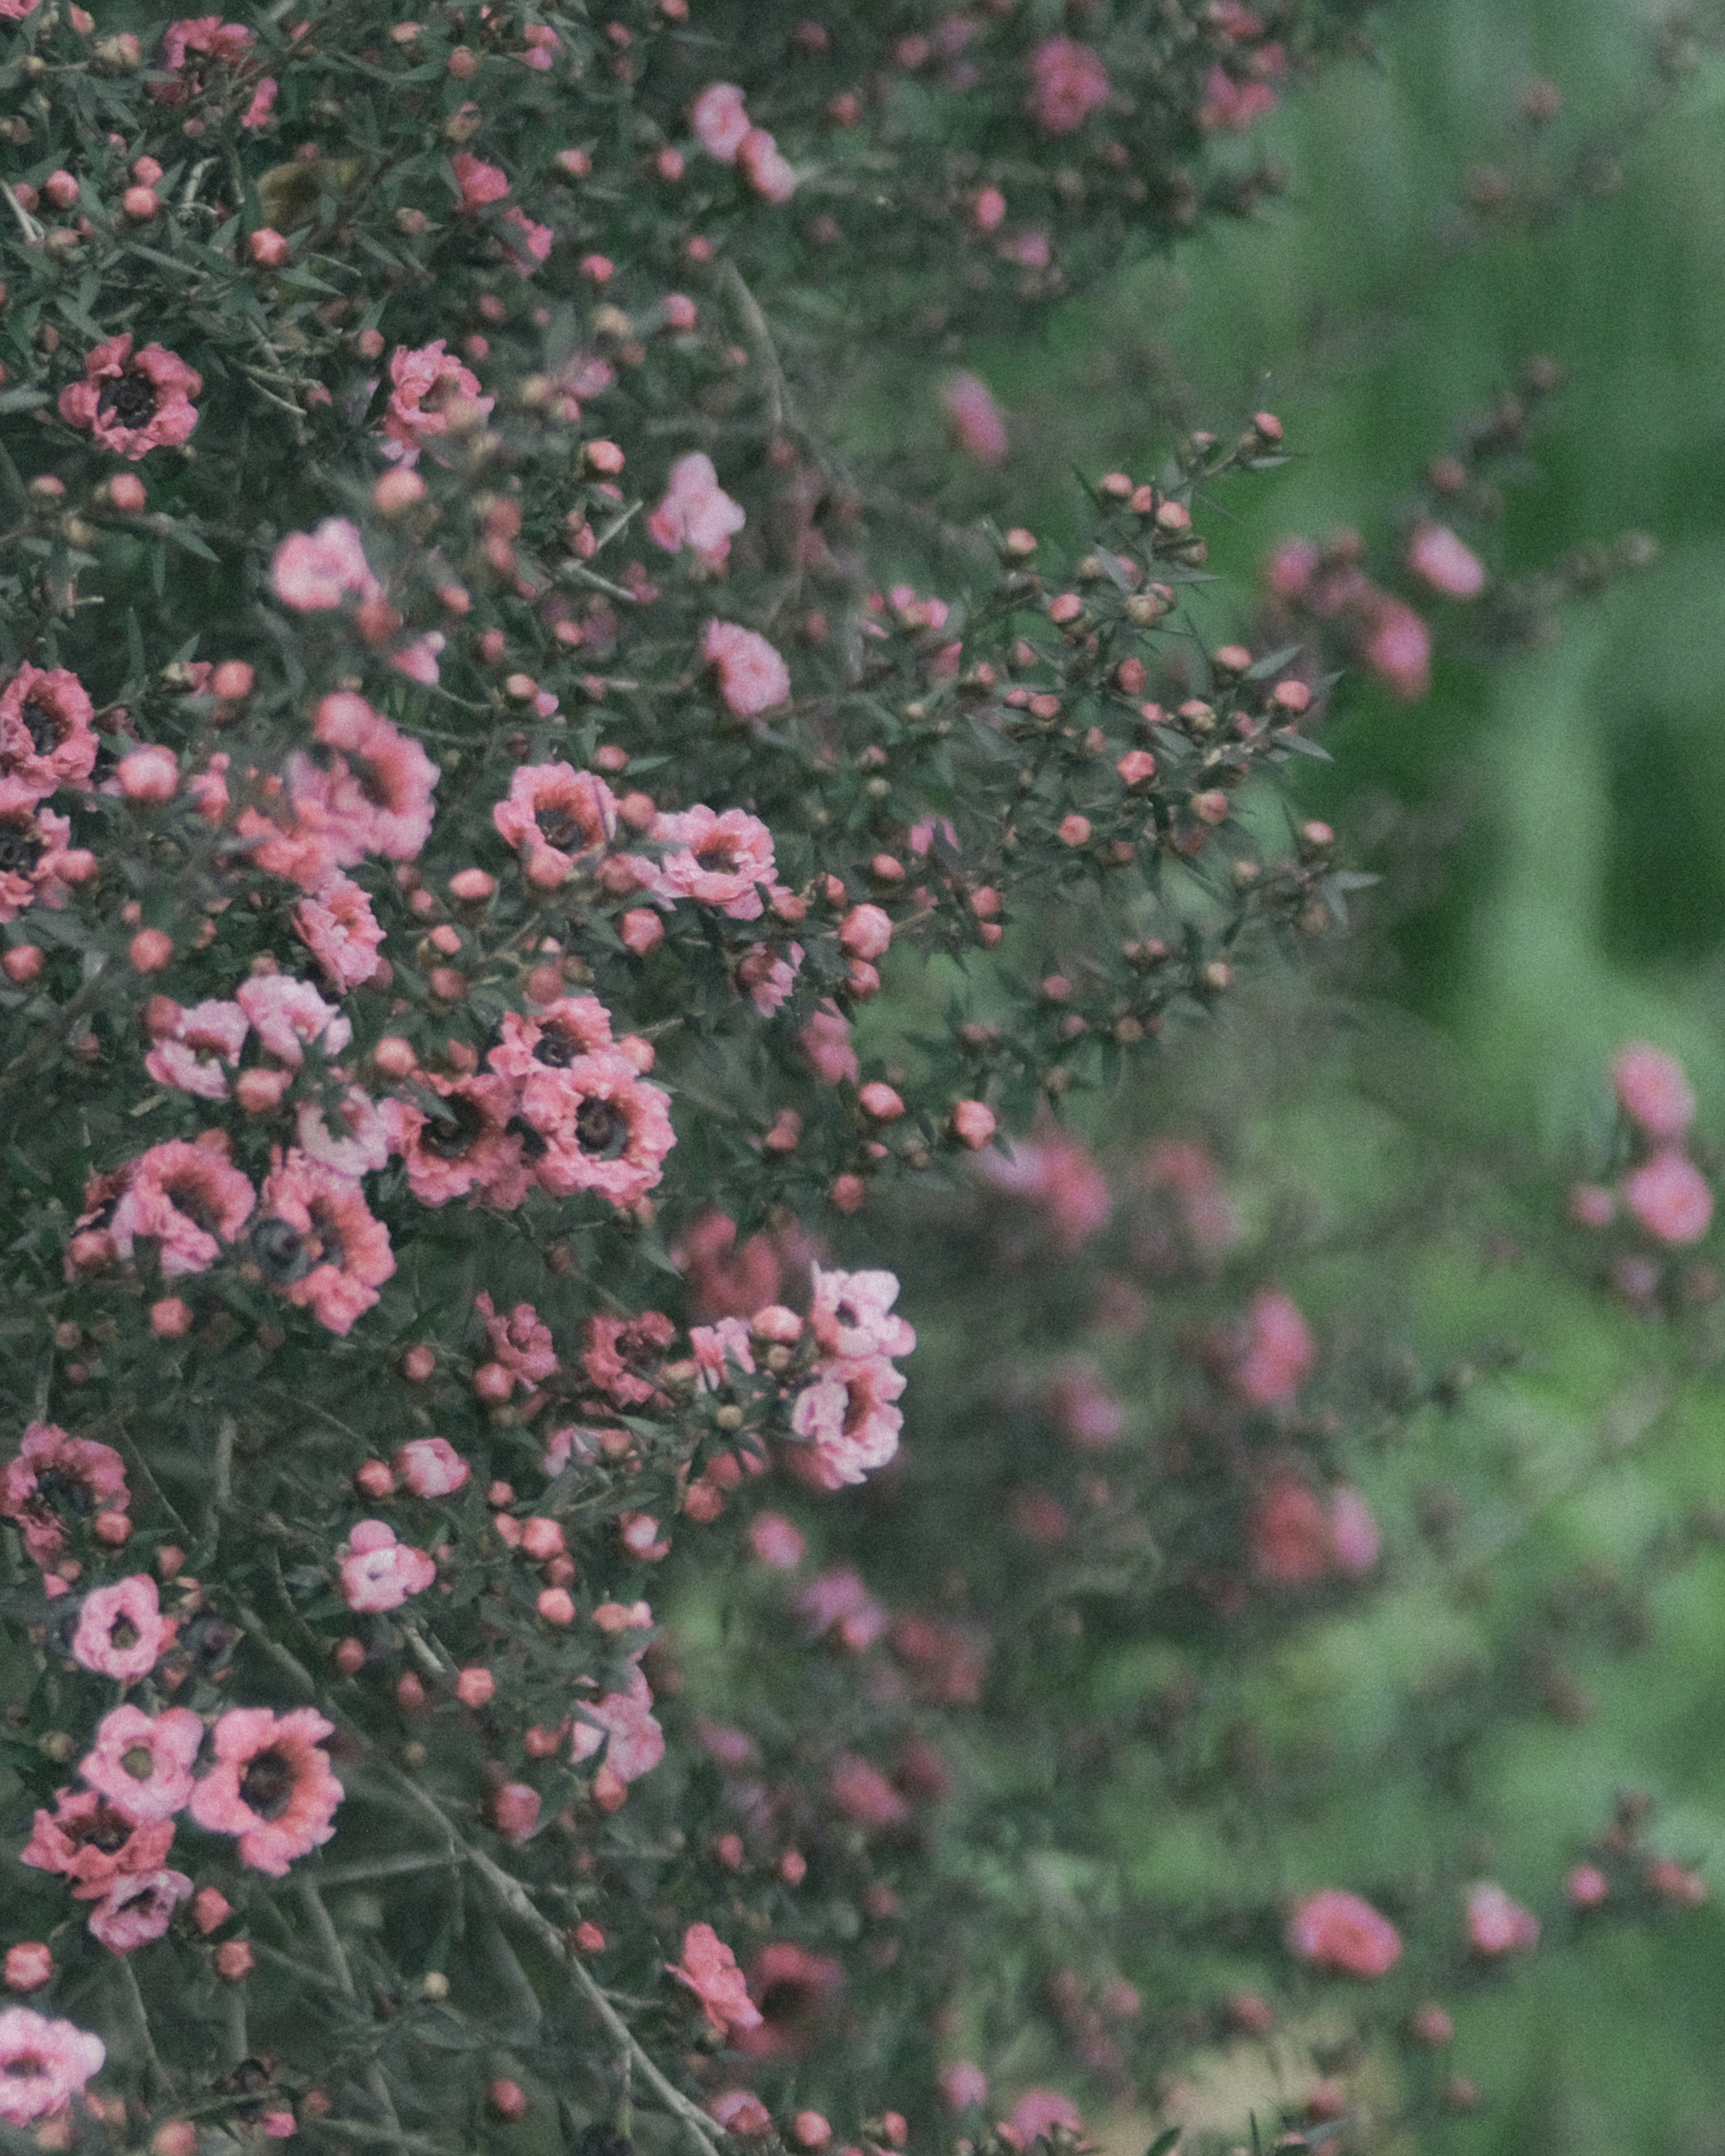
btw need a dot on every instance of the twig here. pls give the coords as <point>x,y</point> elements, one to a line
<point>140,2023</point>
<point>386,1867</point>
<point>329,1940</point>
<point>34,233</point>
<point>759,338</point>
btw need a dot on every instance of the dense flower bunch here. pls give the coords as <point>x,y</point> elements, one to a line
<point>504,850</point>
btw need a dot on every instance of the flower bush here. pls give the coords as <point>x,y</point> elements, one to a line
<point>519,895</point>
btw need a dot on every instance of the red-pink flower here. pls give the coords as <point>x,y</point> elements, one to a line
<point>187,1200</point>
<point>121,1630</point>
<point>132,403</point>
<point>556,817</point>
<point>603,1128</point>
<point>1443,564</point>
<point>319,1243</point>
<point>1068,82</point>
<point>142,1764</point>
<point>825,1040</point>
<point>464,1148</point>
<point>193,1044</point>
<point>337,926</point>
<point>765,167</point>
<point>709,1968</point>
<point>271,1785</point>
<point>36,862</point>
<point>862,1794</point>
<point>1335,1930</point>
<point>290,1016</point>
<point>1276,1352</point>
<point>974,417</point>
<point>379,1572</point>
<point>138,1908</point>
<point>478,183</point>
<point>1231,106</point>
<point>46,739</point>
<point>718,858</point>
<point>316,571</point>
<point>43,2064</point>
<point>1671,1197</point>
<point>431,1467</point>
<point>370,791</point>
<point>1653,1091</point>
<point>622,1721</point>
<point>696,512</point>
<point>91,1844</point>
<point>50,1465</point>
<point>1495,1925</point>
<point>425,380</point>
<point>753,677</point>
<point>520,1342</point>
<point>845,1415</point>
<point>720,121</point>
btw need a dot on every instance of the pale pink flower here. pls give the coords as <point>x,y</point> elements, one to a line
<point>962,2084</point>
<point>740,2112</point>
<point>1671,1197</point>
<point>1495,1925</point>
<point>36,862</point>
<point>846,1416</point>
<point>765,167</point>
<point>43,2064</point>
<point>1653,1091</point>
<point>606,1130</point>
<point>1353,1533</point>
<point>753,677</point>
<point>719,120</point>
<point>138,1908</point>
<point>777,1542</point>
<point>189,1055</point>
<point>431,1467</point>
<point>290,1015</point>
<point>184,1199</point>
<point>142,1764</point>
<point>466,1150</point>
<point>1054,1172</point>
<point>556,817</point>
<point>478,183</point>
<point>1443,564</point>
<point>380,1573</point>
<point>46,737</point>
<point>837,1598</point>
<point>825,1040</point>
<point>514,1811</point>
<point>862,1794</point>
<point>1039,2111</point>
<point>1233,105</point>
<point>271,1785</point>
<point>526,243</point>
<point>851,1314</point>
<point>363,1146</point>
<point>372,793</point>
<point>315,571</point>
<point>337,926</point>
<point>520,1342</point>
<point>425,381</point>
<point>121,1630</point>
<point>418,661</point>
<point>718,860</point>
<point>132,403</point>
<point>720,1348</point>
<point>623,1722</point>
<point>1335,1930</point>
<point>709,1968</point>
<point>1395,645</point>
<point>1068,82</point>
<point>1276,1353</point>
<point>50,1464</point>
<point>696,512</point>
<point>974,417</point>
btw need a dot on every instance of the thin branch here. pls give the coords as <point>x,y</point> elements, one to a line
<point>140,2026</point>
<point>759,339</point>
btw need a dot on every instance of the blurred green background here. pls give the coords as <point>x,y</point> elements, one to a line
<point>1568,809</point>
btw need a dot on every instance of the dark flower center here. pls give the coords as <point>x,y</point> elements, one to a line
<point>139,1763</point>
<point>131,399</point>
<point>533,1147</point>
<point>25,2066</point>
<point>194,1203</point>
<point>281,1252</point>
<point>557,1048</point>
<point>562,828</point>
<point>267,1784</point>
<point>47,730</point>
<point>61,1488</point>
<point>104,1829</point>
<point>123,1634</point>
<point>600,1130</point>
<point>457,1126</point>
<point>332,1250</point>
<point>20,850</point>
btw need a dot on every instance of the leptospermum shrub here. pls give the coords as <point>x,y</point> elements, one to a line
<point>467,763</point>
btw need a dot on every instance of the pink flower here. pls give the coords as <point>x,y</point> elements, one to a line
<point>1288,1533</point>
<point>313,572</point>
<point>1442,564</point>
<point>623,1722</point>
<point>337,926</point>
<point>753,677</point>
<point>418,661</point>
<point>1653,1091</point>
<point>605,1129</point>
<point>190,1052</point>
<point>1084,1408</point>
<point>717,859</point>
<point>431,1467</point>
<point>719,1349</point>
<point>138,1908</point>
<point>91,1844</point>
<point>1395,645</point>
<point>709,1968</point>
<point>526,243</point>
<point>974,417</point>
<point>765,167</point>
<point>364,1146</point>
<point>696,512</point>
<point>777,1542</point>
<point>372,794</point>
<point>1353,1533</point>
<point>719,120</point>
<point>845,1415</point>
<point>424,381</point>
<point>52,1464</point>
<point>1495,1925</point>
<point>271,1785</point>
<point>1230,105</point>
<point>862,1794</point>
<point>796,1991</point>
<point>837,1598</point>
<point>825,1040</point>
<point>478,183</point>
<point>46,739</point>
<point>1054,1172</point>
<point>263,103</point>
<point>465,1149</point>
<point>962,2084</point>
<point>318,1243</point>
<point>850,1314</point>
<point>143,1765</point>
<point>186,1200</point>
<point>43,2064</point>
<point>121,1630</point>
<point>1671,1197</point>
<point>1335,1930</point>
<point>132,403</point>
<point>556,817</point>
<point>1068,82</point>
<point>36,862</point>
<point>1276,1353</point>
<point>514,1811</point>
<point>290,1016</point>
<point>380,1573</point>
<point>742,2113</point>
<point>519,1342</point>
<point>206,34</point>
<point>1038,2111</point>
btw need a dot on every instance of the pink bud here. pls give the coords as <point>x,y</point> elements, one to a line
<point>267,248</point>
<point>28,1966</point>
<point>22,963</point>
<point>151,774</point>
<point>476,1686</point>
<point>150,950</point>
<point>234,1961</point>
<point>880,1103</point>
<point>140,204</point>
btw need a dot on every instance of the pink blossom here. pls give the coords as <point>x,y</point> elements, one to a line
<point>1288,1534</point>
<point>1653,1091</point>
<point>1068,82</point>
<point>46,737</point>
<point>380,1573</point>
<point>623,1722</point>
<point>709,1968</point>
<point>514,1811</point>
<point>742,2113</point>
<point>1039,2111</point>
<point>425,382</point>
<point>1354,1534</point>
<point>765,167</point>
<point>50,1461</point>
<point>861,1792</point>
<point>43,2064</point>
<point>974,417</point>
<point>190,1052</point>
<point>363,1148</point>
<point>142,1764</point>
<point>1395,645</point>
<point>313,572</point>
<point>1084,1408</point>
<point>418,661</point>
<point>138,1908</point>
<point>1230,105</point>
<point>431,1467</point>
<point>1335,1930</point>
<point>91,1844</point>
<point>520,1342</point>
<point>262,105</point>
<point>719,120</point>
<point>172,1192</point>
<point>478,183</point>
<point>837,1598</point>
<point>36,862</point>
<point>1671,1197</point>
<point>1054,1172</point>
<point>719,1349</point>
<point>605,1129</point>
<point>132,403</point>
<point>777,1542</point>
<point>1442,564</point>
<point>696,512</point>
<point>271,1785</point>
<point>337,926</point>
<point>1276,1352</point>
<point>851,1314</point>
<point>526,243</point>
<point>121,1631</point>
<point>717,859</point>
<point>206,35</point>
<point>753,677</point>
<point>845,1415</point>
<point>1495,1925</point>
<point>290,1016</point>
<point>962,2084</point>
<point>318,1243</point>
<point>557,818</point>
<point>467,1149</point>
<point>372,793</point>
<point>825,1040</point>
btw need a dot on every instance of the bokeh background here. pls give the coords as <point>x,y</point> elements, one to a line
<point>1553,827</point>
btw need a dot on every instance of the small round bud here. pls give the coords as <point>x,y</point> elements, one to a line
<point>234,1961</point>
<point>150,950</point>
<point>28,1966</point>
<point>141,204</point>
<point>507,2100</point>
